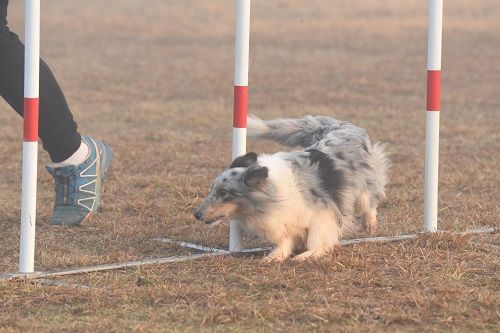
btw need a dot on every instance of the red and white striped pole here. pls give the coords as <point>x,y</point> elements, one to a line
<point>432,115</point>
<point>242,46</point>
<point>30,143</point>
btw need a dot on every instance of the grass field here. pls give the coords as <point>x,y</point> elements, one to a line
<point>154,79</point>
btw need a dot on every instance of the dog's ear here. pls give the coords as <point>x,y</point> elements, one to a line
<point>244,161</point>
<point>255,177</point>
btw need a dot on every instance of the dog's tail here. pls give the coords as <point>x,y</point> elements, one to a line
<point>302,132</point>
<point>380,163</point>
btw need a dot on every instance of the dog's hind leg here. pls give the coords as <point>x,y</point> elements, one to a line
<point>370,221</point>
<point>368,213</point>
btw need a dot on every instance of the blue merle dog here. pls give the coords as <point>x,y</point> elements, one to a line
<point>304,199</point>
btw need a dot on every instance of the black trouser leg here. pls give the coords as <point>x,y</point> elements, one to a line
<point>57,129</point>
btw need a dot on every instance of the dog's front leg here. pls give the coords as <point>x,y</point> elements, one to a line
<point>282,251</point>
<point>322,237</point>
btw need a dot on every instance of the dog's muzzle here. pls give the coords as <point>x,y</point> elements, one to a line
<point>199,216</point>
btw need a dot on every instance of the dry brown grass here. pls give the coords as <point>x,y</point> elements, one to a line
<point>433,284</point>
<point>155,81</point>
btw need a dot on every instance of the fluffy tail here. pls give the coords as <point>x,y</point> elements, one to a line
<point>379,160</point>
<point>302,132</point>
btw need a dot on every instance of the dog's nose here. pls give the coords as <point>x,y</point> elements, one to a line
<point>198,215</point>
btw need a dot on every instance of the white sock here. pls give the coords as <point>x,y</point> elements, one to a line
<point>78,157</point>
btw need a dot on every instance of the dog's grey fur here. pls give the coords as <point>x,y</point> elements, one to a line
<point>339,175</point>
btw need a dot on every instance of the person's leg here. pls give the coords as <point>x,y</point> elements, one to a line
<point>57,129</point>
<point>3,14</point>
<point>80,163</point>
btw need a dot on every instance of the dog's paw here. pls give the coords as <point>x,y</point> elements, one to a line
<point>273,258</point>
<point>310,254</point>
<point>267,260</point>
<point>371,228</point>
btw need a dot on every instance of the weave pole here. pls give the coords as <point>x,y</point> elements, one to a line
<point>432,115</point>
<point>242,46</point>
<point>30,136</point>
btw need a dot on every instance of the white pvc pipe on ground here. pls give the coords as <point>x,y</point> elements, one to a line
<point>242,46</point>
<point>30,137</point>
<point>432,115</point>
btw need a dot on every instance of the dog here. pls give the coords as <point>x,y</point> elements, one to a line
<point>304,199</point>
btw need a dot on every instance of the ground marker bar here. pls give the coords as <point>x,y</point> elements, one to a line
<point>191,246</point>
<point>106,267</point>
<point>213,252</point>
<point>203,248</point>
<point>342,242</point>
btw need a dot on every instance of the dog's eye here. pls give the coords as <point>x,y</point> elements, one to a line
<point>225,195</point>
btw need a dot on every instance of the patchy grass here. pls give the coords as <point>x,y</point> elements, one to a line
<point>155,81</point>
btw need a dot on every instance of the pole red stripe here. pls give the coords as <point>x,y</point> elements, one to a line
<point>31,119</point>
<point>433,90</point>
<point>240,106</point>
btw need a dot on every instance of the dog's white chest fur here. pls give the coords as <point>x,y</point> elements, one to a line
<point>290,216</point>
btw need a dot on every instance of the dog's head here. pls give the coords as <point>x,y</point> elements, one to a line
<point>233,193</point>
